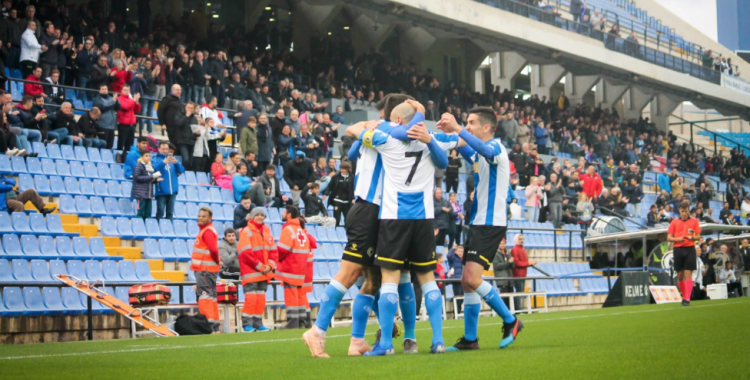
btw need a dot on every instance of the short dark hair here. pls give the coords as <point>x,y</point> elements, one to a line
<point>164,143</point>
<point>208,210</point>
<point>142,139</point>
<point>293,211</point>
<point>229,231</point>
<point>145,152</point>
<point>37,96</point>
<point>314,186</point>
<point>252,119</point>
<point>271,167</point>
<point>26,98</point>
<point>345,165</point>
<point>245,196</point>
<point>391,101</point>
<point>233,154</point>
<point>209,98</point>
<point>486,116</point>
<point>103,85</point>
<point>172,147</point>
<point>242,164</point>
<point>685,205</point>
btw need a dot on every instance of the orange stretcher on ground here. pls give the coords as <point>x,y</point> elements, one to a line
<point>139,316</point>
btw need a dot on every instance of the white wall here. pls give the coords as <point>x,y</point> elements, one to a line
<point>701,14</point>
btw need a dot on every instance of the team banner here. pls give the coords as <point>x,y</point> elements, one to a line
<point>665,294</point>
<point>736,84</point>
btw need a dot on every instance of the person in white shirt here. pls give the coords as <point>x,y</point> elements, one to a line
<point>30,50</point>
<point>727,276</point>
<point>699,291</point>
<point>745,207</point>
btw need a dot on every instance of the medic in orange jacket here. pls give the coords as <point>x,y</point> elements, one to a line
<point>294,250</point>
<point>257,249</point>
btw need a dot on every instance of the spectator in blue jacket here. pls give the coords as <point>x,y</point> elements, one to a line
<point>665,181</point>
<point>456,269</point>
<point>541,133</point>
<point>14,202</point>
<point>166,190</point>
<point>134,155</point>
<point>240,182</point>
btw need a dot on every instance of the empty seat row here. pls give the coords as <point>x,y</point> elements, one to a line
<point>325,270</point>
<point>57,186</point>
<point>47,247</point>
<point>547,241</point>
<point>572,270</point>
<point>194,179</point>
<point>328,252</point>
<point>73,153</point>
<point>33,224</point>
<point>92,270</point>
<point>526,224</point>
<point>62,168</point>
<point>138,229</point>
<point>168,250</point>
<point>194,193</point>
<point>328,234</point>
<point>97,206</point>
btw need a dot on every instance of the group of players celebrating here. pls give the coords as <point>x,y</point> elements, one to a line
<point>390,228</point>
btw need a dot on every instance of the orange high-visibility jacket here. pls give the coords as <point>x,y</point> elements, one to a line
<point>307,286</point>
<point>202,259</point>
<point>294,248</point>
<point>256,248</point>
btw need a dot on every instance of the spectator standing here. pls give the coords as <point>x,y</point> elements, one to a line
<point>120,75</point>
<point>541,133</point>
<point>632,191</point>
<point>100,73</point>
<point>285,145</point>
<point>145,76</point>
<point>30,50</point>
<point>144,177</point>
<point>34,89</point>
<point>248,137</point>
<point>230,265</point>
<point>87,127</point>
<point>591,183</point>
<point>456,227</point>
<point>306,142</point>
<point>201,150</point>
<point>85,61</point>
<point>271,188</point>
<point>49,57</point>
<point>131,159</point>
<point>534,197</point>
<point>555,193</point>
<point>126,118</point>
<point>575,9</point>
<point>502,265</point>
<point>444,217</point>
<point>664,181</point>
<point>520,263</point>
<point>340,191</point>
<point>265,142</point>
<point>167,190</point>
<point>109,106</point>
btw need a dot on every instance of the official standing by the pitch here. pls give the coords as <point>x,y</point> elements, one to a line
<point>683,232</point>
<point>205,264</point>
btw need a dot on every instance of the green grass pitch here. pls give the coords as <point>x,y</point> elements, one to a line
<point>704,340</point>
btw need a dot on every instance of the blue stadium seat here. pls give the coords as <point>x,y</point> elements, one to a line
<point>5,225</point>
<point>82,206</point>
<point>39,149</point>
<point>40,271</point>
<point>227,197</point>
<point>47,246</point>
<point>123,228</point>
<point>152,228</point>
<point>48,166</point>
<point>5,166</point>
<point>121,293</point>
<point>57,185</point>
<point>87,186</point>
<point>93,270</point>
<point>71,186</point>
<point>117,171</point>
<point>76,169</point>
<point>107,156</point>
<point>13,298</point>
<point>126,188</point>
<point>34,165</point>
<point>72,301</point>
<point>180,248</point>
<point>25,182</point>
<point>68,153</point>
<point>215,195</point>
<point>109,271</point>
<point>188,295</point>
<point>201,179</point>
<point>53,151</point>
<point>167,229</point>
<point>114,189</point>
<point>179,211</point>
<point>81,247</point>
<point>143,271</point>
<point>90,170</point>
<point>93,155</point>
<point>54,225</point>
<point>189,178</point>
<point>127,271</point>
<point>109,226</point>
<point>180,229</point>
<point>103,171</point>
<point>167,250</point>
<point>96,245</point>
<point>112,207</point>
<point>219,212</point>
<point>6,274</point>
<point>68,204</point>
<point>62,167</point>
<point>42,185</point>
<point>97,207</point>
<point>191,192</point>
<point>20,222</point>
<point>18,165</point>
<point>204,195</point>
<point>80,153</point>
<point>191,210</point>
<point>151,249</point>
<point>193,228</point>
<point>126,207</point>
<point>53,301</point>
<point>65,246</point>
<point>30,246</point>
<point>37,224</point>
<point>21,270</point>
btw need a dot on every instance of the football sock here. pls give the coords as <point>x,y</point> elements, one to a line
<point>407,301</point>
<point>329,302</point>
<point>388,305</point>
<point>472,305</point>
<point>360,314</point>
<point>681,288</point>
<point>490,295</point>
<point>434,304</point>
<point>688,288</point>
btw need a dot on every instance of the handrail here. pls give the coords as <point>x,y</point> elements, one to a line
<point>715,134</point>
<point>622,216</point>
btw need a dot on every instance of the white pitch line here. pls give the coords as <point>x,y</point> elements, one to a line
<point>87,353</point>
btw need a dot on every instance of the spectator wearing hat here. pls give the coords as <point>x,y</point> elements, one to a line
<point>299,174</point>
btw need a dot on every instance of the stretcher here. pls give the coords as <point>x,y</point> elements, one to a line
<point>96,292</point>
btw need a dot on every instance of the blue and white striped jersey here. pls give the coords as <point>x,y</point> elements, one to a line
<point>491,183</point>
<point>369,171</point>
<point>409,172</point>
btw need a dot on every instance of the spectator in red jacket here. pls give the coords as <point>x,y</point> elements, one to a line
<point>520,263</point>
<point>126,119</point>
<point>120,75</point>
<point>32,89</point>
<point>592,183</point>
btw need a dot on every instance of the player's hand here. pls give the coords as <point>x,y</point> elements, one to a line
<point>420,133</point>
<point>510,260</point>
<point>448,124</point>
<point>417,105</point>
<point>532,262</point>
<point>372,124</point>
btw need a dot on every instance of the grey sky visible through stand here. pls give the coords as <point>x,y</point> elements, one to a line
<point>699,13</point>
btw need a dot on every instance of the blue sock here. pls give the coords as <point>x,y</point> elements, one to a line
<point>360,314</point>
<point>434,304</point>
<point>490,295</point>
<point>329,302</point>
<point>472,305</point>
<point>388,307</point>
<point>407,301</point>
<point>375,307</point>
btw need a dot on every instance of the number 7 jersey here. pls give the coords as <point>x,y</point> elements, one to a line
<point>408,175</point>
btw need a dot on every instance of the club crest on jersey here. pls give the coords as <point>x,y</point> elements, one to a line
<point>476,166</point>
<point>354,248</point>
<point>472,252</point>
<point>370,252</point>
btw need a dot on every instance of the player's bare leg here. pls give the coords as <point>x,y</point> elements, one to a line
<point>315,338</point>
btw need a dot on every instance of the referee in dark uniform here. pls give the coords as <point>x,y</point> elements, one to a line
<point>684,232</point>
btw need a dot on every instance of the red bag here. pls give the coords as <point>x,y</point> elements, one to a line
<point>226,292</point>
<point>149,294</point>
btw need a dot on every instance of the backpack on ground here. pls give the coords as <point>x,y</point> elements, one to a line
<point>193,325</point>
